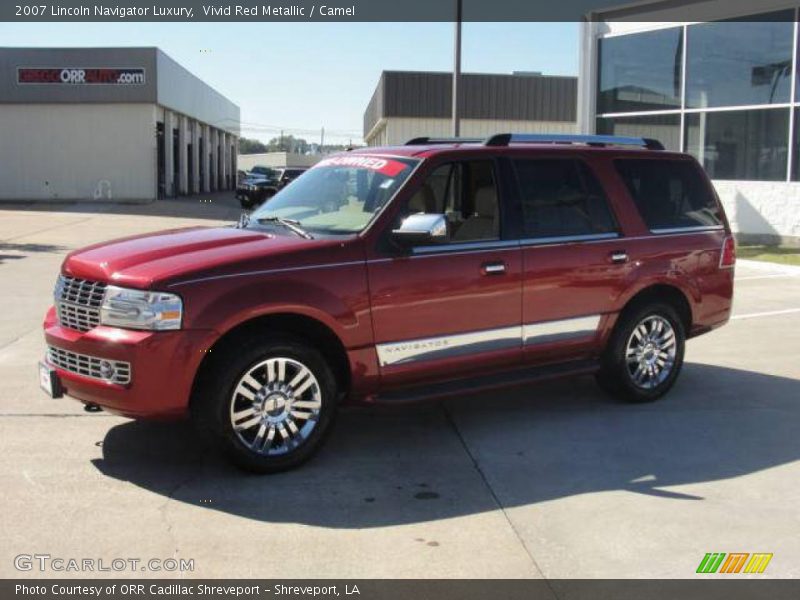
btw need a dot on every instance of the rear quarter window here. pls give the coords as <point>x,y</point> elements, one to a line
<point>670,194</point>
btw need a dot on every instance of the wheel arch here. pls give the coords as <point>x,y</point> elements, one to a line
<point>315,332</point>
<point>667,293</point>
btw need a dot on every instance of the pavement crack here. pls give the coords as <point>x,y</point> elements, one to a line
<point>449,418</point>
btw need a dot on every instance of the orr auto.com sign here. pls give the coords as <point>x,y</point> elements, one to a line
<point>80,76</point>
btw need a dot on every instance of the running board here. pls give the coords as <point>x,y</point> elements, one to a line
<point>471,385</point>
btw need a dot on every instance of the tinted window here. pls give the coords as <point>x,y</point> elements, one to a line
<point>739,63</point>
<point>752,144</point>
<point>561,198</point>
<point>640,71</point>
<point>466,193</point>
<point>669,193</point>
<point>664,128</point>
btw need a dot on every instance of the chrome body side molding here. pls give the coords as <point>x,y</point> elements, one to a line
<point>475,342</point>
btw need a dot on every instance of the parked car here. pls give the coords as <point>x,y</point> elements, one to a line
<point>391,275</point>
<point>255,190</point>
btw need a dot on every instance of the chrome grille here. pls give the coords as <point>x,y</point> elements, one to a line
<point>78,317</point>
<point>114,371</point>
<point>78,302</point>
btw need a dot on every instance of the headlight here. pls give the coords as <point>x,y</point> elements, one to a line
<point>138,309</point>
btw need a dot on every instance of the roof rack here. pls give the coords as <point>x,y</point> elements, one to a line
<point>426,141</point>
<point>504,139</point>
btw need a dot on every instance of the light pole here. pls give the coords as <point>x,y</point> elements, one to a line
<point>457,72</point>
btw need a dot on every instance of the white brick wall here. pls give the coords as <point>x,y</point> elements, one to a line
<point>762,208</point>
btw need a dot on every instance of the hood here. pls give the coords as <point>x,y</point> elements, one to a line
<point>145,260</point>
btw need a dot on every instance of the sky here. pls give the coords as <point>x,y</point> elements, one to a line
<point>300,77</point>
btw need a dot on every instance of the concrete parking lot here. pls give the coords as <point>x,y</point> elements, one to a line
<point>554,481</point>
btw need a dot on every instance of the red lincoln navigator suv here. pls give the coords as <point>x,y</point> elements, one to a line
<point>389,275</point>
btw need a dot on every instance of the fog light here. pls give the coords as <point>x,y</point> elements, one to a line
<point>107,370</point>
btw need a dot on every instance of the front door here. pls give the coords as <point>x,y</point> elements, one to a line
<point>443,311</point>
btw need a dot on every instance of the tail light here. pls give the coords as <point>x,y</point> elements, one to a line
<point>727,257</point>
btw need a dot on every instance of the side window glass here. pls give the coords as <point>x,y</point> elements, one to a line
<point>561,198</point>
<point>466,193</point>
<point>670,193</point>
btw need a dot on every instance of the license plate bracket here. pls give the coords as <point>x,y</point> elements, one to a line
<point>49,381</point>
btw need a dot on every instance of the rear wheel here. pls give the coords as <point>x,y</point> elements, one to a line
<point>270,404</point>
<point>644,355</point>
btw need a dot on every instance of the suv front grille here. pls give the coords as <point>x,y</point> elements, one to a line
<point>78,302</point>
<point>114,371</point>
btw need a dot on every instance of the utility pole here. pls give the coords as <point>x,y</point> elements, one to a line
<point>457,71</point>
<point>321,139</point>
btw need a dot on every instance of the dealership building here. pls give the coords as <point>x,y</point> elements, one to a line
<point>119,124</point>
<point>409,104</point>
<point>722,87</point>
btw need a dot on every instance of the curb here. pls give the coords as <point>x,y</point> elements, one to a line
<point>762,265</point>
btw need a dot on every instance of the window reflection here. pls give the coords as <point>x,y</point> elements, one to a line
<point>640,72</point>
<point>664,128</point>
<point>749,145</point>
<point>739,63</point>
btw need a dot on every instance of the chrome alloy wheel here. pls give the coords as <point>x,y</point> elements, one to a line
<point>275,406</point>
<point>650,352</point>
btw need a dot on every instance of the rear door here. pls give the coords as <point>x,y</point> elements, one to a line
<point>570,235</point>
<point>443,311</point>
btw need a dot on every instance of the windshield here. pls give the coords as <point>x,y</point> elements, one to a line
<point>339,195</point>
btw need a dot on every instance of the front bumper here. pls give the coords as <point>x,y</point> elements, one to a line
<point>162,367</point>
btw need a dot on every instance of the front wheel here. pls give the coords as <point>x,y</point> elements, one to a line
<point>644,355</point>
<point>268,403</point>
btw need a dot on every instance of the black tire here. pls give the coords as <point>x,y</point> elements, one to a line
<point>217,399</point>
<point>618,377</point>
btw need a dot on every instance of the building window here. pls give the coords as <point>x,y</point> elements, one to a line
<point>664,128</point>
<point>640,71</point>
<point>796,143</point>
<point>742,144</point>
<point>732,63</point>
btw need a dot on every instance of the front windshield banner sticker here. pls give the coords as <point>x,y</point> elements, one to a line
<point>384,166</point>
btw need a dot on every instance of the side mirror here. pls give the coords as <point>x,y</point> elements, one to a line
<point>421,229</point>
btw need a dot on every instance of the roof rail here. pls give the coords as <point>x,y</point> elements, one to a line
<point>425,141</point>
<point>504,139</point>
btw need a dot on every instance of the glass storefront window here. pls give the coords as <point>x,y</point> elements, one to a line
<point>742,144</point>
<point>796,142</point>
<point>664,128</point>
<point>731,63</point>
<point>640,71</point>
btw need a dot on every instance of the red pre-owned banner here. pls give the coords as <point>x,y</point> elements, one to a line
<point>81,76</point>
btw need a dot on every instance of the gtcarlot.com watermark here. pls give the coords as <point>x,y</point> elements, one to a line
<point>45,563</point>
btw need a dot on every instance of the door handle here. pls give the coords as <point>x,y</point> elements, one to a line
<point>493,268</point>
<point>618,257</point>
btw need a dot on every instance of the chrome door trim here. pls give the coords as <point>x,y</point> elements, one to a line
<point>555,331</point>
<point>568,239</point>
<point>487,340</point>
<point>473,342</point>
<point>464,247</point>
<point>691,229</point>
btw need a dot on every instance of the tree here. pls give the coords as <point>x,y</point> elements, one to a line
<point>288,143</point>
<point>247,146</point>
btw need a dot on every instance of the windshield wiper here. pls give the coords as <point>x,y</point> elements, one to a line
<point>290,224</point>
